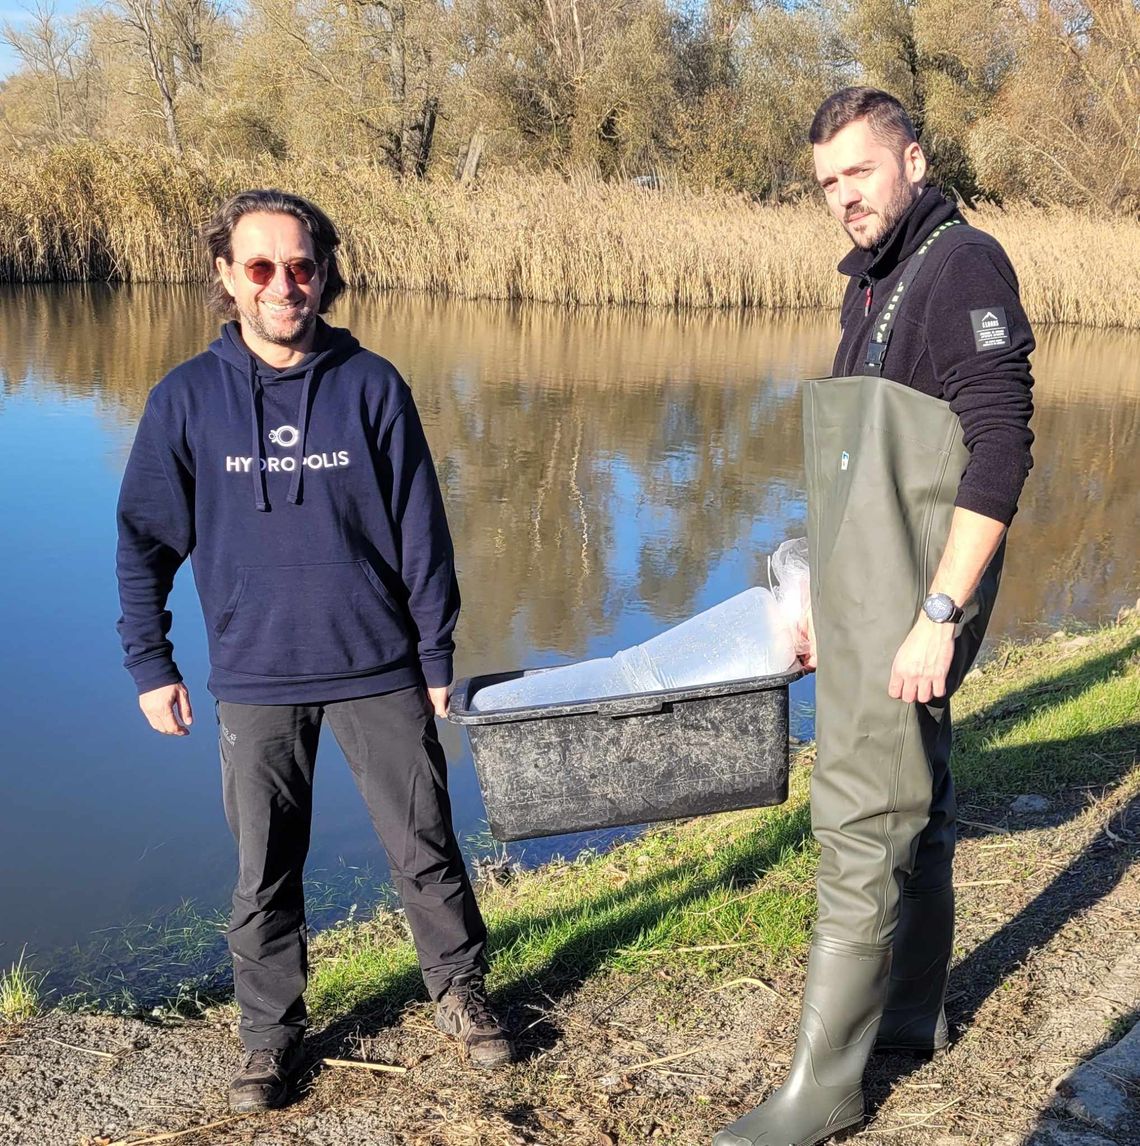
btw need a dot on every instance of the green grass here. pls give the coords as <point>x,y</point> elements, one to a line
<point>734,882</point>
<point>723,892</point>
<point>20,997</point>
<point>719,895</point>
<point>1048,716</point>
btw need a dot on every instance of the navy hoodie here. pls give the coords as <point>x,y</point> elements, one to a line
<point>307,501</point>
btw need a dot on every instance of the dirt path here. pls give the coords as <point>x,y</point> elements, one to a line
<point>1047,974</point>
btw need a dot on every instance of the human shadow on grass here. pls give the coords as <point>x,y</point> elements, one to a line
<point>597,928</point>
<point>989,777</point>
<point>1092,875</point>
<point>992,774</point>
<point>1060,676</point>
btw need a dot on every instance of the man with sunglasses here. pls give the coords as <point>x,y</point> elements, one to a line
<point>290,465</point>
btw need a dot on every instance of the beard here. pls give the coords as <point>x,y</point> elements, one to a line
<point>881,223</point>
<point>283,331</point>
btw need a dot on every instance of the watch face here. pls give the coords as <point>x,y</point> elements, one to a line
<point>938,607</point>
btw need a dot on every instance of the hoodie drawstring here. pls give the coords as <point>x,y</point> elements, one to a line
<point>296,485</point>
<point>260,492</point>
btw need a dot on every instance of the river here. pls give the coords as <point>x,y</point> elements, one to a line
<point>606,474</point>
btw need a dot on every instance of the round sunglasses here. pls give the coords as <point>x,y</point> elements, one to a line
<point>261,271</point>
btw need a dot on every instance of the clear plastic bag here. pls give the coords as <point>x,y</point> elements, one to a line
<point>759,632</point>
<point>790,578</point>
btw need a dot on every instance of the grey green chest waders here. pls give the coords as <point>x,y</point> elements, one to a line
<point>883,465</point>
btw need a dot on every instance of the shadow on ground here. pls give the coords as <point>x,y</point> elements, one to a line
<point>1095,762</point>
<point>600,926</point>
<point>597,927</point>
<point>1092,875</point>
<point>982,771</point>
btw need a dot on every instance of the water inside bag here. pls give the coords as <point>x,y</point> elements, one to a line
<point>756,633</point>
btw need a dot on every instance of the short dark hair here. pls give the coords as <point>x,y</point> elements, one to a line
<point>219,233</point>
<point>886,117</point>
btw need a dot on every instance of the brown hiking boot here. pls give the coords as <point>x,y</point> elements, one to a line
<point>465,1014</point>
<point>265,1080</point>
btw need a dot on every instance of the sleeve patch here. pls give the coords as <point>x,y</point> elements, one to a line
<point>991,331</point>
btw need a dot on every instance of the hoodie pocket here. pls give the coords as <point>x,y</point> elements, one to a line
<point>333,619</point>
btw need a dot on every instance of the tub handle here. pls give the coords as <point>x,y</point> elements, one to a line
<point>631,706</point>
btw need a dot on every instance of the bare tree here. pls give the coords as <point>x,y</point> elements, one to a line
<point>1034,99</point>
<point>170,38</point>
<point>47,48</point>
<point>1066,127</point>
<point>369,65</point>
<point>143,19</point>
<point>571,82</point>
<point>415,127</point>
<point>189,22</point>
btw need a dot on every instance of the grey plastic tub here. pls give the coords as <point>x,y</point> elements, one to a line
<point>573,767</point>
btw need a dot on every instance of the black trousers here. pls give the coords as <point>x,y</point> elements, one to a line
<point>268,755</point>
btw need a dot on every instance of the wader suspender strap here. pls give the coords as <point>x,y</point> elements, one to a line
<point>881,335</point>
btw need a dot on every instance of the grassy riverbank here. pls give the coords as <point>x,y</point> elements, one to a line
<point>115,213</point>
<point>656,986</point>
<point>733,893</point>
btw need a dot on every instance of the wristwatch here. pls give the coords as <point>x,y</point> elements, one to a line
<point>942,609</point>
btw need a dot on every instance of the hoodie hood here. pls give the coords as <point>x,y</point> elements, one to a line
<point>331,345</point>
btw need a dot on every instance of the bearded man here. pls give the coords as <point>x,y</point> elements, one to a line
<point>916,450</point>
<point>290,465</point>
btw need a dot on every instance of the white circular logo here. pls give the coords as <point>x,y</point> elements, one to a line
<point>284,436</point>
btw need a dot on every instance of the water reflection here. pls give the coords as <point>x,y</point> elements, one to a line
<point>591,463</point>
<point>606,473</point>
<point>1075,548</point>
<point>598,461</point>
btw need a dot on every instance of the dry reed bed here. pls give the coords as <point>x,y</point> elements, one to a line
<point>87,212</point>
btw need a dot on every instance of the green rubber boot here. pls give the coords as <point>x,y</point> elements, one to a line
<point>823,1093</point>
<point>914,1021</point>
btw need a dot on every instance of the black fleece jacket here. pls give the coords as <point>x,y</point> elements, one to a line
<point>946,344</point>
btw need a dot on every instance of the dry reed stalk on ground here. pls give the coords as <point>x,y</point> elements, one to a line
<point>382,1067</point>
<point>86,212</point>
